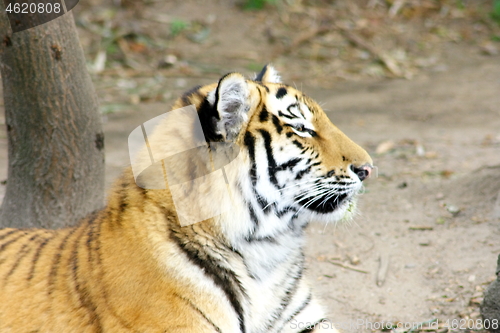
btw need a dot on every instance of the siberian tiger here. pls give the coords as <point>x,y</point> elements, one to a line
<point>132,267</point>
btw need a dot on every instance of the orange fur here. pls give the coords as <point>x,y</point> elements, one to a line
<point>119,270</point>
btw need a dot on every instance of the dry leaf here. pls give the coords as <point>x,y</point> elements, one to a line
<point>385,147</point>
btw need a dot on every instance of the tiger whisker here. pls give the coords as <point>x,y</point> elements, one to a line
<point>297,184</point>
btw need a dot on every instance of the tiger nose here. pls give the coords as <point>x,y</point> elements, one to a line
<point>363,171</point>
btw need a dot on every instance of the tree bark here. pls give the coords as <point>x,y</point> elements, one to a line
<point>55,138</point>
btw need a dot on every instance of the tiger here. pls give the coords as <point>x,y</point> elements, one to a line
<point>134,267</point>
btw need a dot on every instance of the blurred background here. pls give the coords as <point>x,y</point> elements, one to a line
<point>415,82</point>
<point>319,42</point>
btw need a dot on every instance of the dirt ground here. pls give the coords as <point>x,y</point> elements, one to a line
<point>443,174</point>
<point>431,123</point>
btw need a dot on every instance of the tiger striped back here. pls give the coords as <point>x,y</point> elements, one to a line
<point>132,267</point>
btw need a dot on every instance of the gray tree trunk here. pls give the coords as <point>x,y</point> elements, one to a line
<point>55,138</point>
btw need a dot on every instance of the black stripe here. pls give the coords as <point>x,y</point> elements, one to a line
<point>263,72</point>
<point>249,141</point>
<point>298,144</point>
<point>90,235</point>
<point>277,124</point>
<point>23,252</point>
<point>281,114</point>
<point>82,292</point>
<point>208,118</point>
<point>223,278</point>
<point>122,206</point>
<point>264,205</point>
<point>10,232</point>
<point>290,164</point>
<point>253,215</point>
<point>143,191</point>
<point>289,293</point>
<point>271,162</point>
<point>185,97</point>
<point>6,244</point>
<point>299,310</point>
<point>36,257</point>
<point>215,112</point>
<point>56,261</point>
<point>298,107</point>
<point>285,210</point>
<point>301,173</point>
<point>267,239</point>
<point>264,115</point>
<point>191,304</point>
<point>281,92</point>
<point>125,184</point>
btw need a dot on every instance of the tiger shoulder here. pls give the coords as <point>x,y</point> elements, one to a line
<point>205,232</point>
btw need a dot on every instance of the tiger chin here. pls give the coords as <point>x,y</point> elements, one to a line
<point>147,262</point>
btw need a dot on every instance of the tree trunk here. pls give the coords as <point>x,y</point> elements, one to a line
<point>55,138</point>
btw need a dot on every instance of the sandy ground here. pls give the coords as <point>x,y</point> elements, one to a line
<point>443,174</point>
<point>432,214</point>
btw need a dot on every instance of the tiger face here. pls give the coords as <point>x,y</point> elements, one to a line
<point>312,167</point>
<point>298,165</point>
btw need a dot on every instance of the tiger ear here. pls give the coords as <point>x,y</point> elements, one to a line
<point>268,75</point>
<point>232,104</point>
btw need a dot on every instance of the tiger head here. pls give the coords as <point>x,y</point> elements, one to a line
<point>294,164</point>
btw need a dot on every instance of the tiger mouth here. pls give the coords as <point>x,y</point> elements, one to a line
<point>324,204</point>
